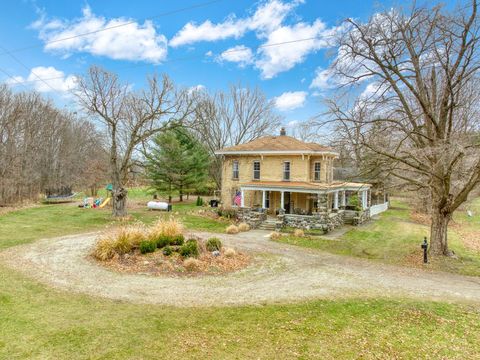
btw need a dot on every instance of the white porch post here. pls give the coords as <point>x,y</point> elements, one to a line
<point>242,198</point>
<point>335,200</point>
<point>344,198</point>
<point>282,200</point>
<point>364,199</point>
<point>264,199</point>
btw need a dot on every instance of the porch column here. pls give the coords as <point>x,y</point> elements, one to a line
<point>364,199</point>
<point>282,200</point>
<point>264,199</point>
<point>242,198</point>
<point>335,200</point>
<point>344,198</point>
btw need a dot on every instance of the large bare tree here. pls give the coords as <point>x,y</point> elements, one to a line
<point>419,114</point>
<point>230,118</point>
<point>130,118</point>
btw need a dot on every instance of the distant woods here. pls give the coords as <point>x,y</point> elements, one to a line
<point>43,147</point>
<point>120,128</point>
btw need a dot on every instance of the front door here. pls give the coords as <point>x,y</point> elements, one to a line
<point>286,202</point>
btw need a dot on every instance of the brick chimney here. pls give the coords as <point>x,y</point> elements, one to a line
<point>283,132</point>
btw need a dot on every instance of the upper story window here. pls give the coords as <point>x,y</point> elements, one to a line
<point>286,170</point>
<point>235,171</point>
<point>256,170</point>
<point>316,171</point>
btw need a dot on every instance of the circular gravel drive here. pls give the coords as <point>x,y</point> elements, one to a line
<point>280,273</point>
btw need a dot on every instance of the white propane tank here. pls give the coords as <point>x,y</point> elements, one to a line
<point>157,205</point>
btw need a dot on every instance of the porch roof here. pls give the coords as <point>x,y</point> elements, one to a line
<point>305,187</point>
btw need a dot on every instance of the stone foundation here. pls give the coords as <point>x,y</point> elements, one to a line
<point>322,221</point>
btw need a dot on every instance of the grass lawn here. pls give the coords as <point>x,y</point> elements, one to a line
<point>42,221</point>
<point>395,238</point>
<point>42,323</point>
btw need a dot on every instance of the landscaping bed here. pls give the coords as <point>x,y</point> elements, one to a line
<point>163,249</point>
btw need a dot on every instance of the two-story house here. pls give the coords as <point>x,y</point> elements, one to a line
<point>281,172</point>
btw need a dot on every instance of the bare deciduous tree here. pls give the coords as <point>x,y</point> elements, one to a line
<point>41,147</point>
<point>227,119</point>
<point>418,117</point>
<point>130,118</point>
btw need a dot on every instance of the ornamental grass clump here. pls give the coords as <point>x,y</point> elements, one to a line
<point>299,233</point>
<point>192,264</point>
<point>232,229</point>
<point>170,228</point>
<point>243,227</point>
<point>275,235</point>
<point>119,241</point>
<point>230,253</point>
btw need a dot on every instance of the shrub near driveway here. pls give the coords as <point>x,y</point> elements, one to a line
<point>189,249</point>
<point>213,244</point>
<point>147,247</point>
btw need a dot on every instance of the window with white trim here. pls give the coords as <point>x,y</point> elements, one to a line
<point>316,171</point>
<point>235,171</point>
<point>256,170</point>
<point>286,170</point>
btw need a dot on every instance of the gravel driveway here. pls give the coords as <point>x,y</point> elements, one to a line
<point>281,273</point>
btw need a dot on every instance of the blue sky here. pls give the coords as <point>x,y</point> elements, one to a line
<point>210,46</point>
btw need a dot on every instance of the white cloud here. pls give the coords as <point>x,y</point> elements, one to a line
<point>53,80</point>
<point>276,59</point>
<point>267,22</point>
<point>323,80</point>
<point>266,18</point>
<point>196,88</point>
<point>133,41</point>
<point>240,54</point>
<point>290,100</point>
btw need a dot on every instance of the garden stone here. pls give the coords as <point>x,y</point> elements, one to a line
<point>216,253</point>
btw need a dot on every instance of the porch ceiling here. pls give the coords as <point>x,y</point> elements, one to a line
<point>305,187</point>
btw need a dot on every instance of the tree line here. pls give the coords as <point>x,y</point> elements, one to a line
<point>43,147</point>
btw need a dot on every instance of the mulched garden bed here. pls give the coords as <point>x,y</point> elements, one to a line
<point>157,264</point>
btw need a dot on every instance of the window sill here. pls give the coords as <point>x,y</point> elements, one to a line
<point>235,179</point>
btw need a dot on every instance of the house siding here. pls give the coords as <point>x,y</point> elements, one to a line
<point>271,169</point>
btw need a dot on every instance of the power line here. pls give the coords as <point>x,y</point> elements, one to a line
<point>186,58</point>
<point>26,67</point>
<point>18,82</point>
<point>196,6</point>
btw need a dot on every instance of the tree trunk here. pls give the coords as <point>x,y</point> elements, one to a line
<point>119,201</point>
<point>438,233</point>
<point>181,193</point>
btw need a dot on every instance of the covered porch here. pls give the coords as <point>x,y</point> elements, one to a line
<point>304,198</point>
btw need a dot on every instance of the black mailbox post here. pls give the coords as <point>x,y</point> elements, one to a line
<point>425,249</point>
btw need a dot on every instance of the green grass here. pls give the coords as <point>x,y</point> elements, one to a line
<point>394,238</point>
<point>42,221</point>
<point>42,323</point>
<point>38,322</point>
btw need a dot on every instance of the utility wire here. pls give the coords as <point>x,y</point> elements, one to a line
<point>185,58</point>
<point>196,6</point>
<point>26,67</point>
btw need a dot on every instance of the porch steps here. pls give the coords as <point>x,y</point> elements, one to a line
<point>269,224</point>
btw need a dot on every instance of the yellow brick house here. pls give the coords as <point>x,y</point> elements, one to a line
<point>281,174</point>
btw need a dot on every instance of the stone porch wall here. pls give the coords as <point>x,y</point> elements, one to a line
<point>251,217</point>
<point>322,221</point>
